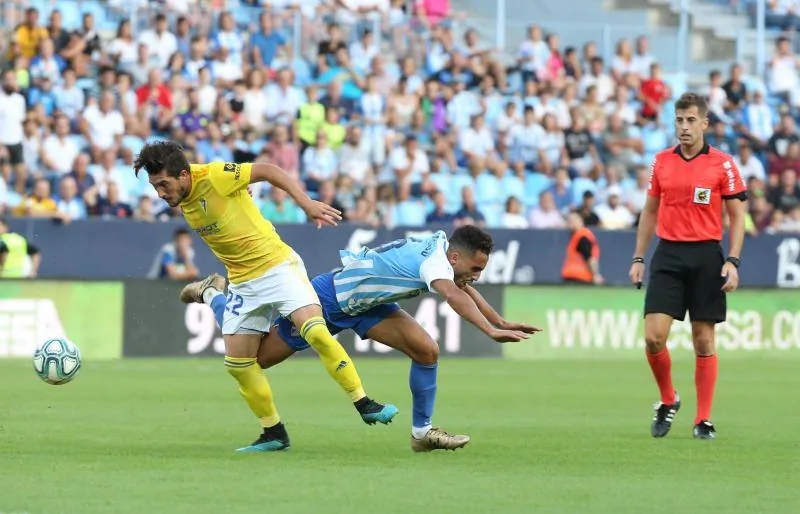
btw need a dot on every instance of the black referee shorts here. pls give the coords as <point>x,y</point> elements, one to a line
<point>15,155</point>
<point>686,276</point>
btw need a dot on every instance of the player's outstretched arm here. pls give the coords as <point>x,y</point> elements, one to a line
<point>466,307</point>
<point>320,213</point>
<point>493,316</point>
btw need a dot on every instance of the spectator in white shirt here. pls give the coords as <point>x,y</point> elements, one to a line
<point>533,53</point>
<point>717,97</point>
<point>526,141</point>
<point>284,99</point>
<point>748,165</point>
<point>636,197</point>
<point>409,163</point>
<point>596,77</point>
<point>59,149</point>
<point>546,215</point>
<point>255,101</point>
<point>784,72</point>
<point>103,126</point>
<point>160,42</point>
<point>354,158</point>
<point>477,140</point>
<point>513,217</point>
<point>123,48</point>
<point>643,58</point>
<point>363,51</point>
<point>758,119</point>
<point>108,172</point>
<point>622,62</point>
<point>32,147</point>
<point>613,214</point>
<point>621,106</point>
<point>12,116</point>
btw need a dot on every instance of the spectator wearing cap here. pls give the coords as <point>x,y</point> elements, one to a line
<point>546,215</point>
<point>613,214</point>
<point>160,42</point>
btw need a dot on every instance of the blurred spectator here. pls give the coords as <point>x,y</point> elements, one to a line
<point>265,43</point>
<point>546,215</point>
<point>596,77</point>
<point>283,99</point>
<point>31,149</point>
<point>144,210</point>
<point>784,74</point>
<point>175,260</point>
<point>513,217</point>
<point>439,214</point>
<point>758,120</point>
<point>354,159</point>
<point>786,195</point>
<point>59,149</point>
<point>653,94</point>
<point>791,161</point>
<point>279,208</point>
<point>160,42</point>
<point>735,89</point>
<point>110,205</point>
<point>40,203</point>
<point>103,125</point>
<point>319,163</point>
<point>107,173</point>
<point>749,165</point>
<point>716,97</point>
<point>46,64</point>
<point>582,260</point>
<point>643,59</point>
<point>783,137</point>
<point>637,195</point>
<point>69,98</point>
<point>587,210</point>
<point>283,152</point>
<point>29,34</point>
<point>613,214</point>
<point>12,116</point>
<point>80,172</point>
<point>469,213</point>
<point>720,139</point>
<point>68,204</point>
<point>409,163</point>
<point>123,48</point>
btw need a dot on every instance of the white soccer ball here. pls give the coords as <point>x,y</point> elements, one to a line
<point>57,361</point>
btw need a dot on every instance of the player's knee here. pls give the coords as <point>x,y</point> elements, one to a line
<point>703,343</point>
<point>656,340</point>
<point>429,355</point>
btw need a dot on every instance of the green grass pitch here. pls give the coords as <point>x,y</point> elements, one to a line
<point>571,436</point>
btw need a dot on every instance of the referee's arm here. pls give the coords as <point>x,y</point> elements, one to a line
<point>737,209</point>
<point>647,225</point>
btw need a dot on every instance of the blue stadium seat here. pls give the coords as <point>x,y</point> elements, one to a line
<point>535,183</point>
<point>579,186</point>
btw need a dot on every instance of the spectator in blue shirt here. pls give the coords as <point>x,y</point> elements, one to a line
<point>469,213</point>
<point>70,206</point>
<point>264,45</point>
<point>43,97</point>
<point>47,64</point>
<point>175,260</point>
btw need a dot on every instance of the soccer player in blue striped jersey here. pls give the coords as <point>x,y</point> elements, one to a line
<point>361,296</point>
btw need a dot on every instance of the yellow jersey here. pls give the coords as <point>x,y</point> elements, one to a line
<point>221,211</point>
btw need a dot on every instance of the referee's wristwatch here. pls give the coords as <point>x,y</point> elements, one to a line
<point>735,261</point>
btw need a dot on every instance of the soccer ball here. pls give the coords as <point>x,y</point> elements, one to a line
<point>57,361</point>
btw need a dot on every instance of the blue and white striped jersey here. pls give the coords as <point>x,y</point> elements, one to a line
<point>391,272</point>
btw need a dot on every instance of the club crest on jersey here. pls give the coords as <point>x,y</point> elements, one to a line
<point>702,195</point>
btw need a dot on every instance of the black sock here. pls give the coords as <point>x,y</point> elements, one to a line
<point>362,403</point>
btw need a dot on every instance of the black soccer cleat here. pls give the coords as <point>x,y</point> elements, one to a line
<point>665,415</point>
<point>704,430</point>
<point>374,412</point>
<point>272,439</point>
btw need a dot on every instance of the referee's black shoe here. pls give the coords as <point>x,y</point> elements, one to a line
<point>665,415</point>
<point>704,430</point>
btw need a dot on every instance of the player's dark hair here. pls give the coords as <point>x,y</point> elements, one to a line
<point>181,231</point>
<point>692,100</point>
<point>161,156</point>
<point>471,239</point>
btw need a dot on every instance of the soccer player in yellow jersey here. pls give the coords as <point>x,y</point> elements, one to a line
<point>266,276</point>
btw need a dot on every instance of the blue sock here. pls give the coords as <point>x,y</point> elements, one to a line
<point>422,381</point>
<point>218,305</point>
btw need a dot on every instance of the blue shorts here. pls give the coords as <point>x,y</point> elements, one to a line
<point>334,317</point>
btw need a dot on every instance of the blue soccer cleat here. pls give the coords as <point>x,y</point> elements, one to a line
<point>373,412</point>
<point>273,439</point>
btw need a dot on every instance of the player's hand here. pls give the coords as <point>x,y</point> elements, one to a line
<point>521,327</point>
<point>637,273</point>
<point>322,214</point>
<point>508,336</point>
<point>731,275</point>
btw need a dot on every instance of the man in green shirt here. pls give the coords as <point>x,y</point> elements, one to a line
<point>14,254</point>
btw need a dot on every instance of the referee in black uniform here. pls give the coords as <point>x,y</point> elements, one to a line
<point>690,185</point>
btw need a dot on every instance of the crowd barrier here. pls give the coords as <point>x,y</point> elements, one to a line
<point>99,249</point>
<point>144,318</point>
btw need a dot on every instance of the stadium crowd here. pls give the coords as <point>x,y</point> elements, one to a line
<point>389,110</point>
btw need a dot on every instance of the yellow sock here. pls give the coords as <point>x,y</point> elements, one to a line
<point>254,388</point>
<point>334,357</point>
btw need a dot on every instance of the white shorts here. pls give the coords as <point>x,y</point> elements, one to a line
<point>254,305</point>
